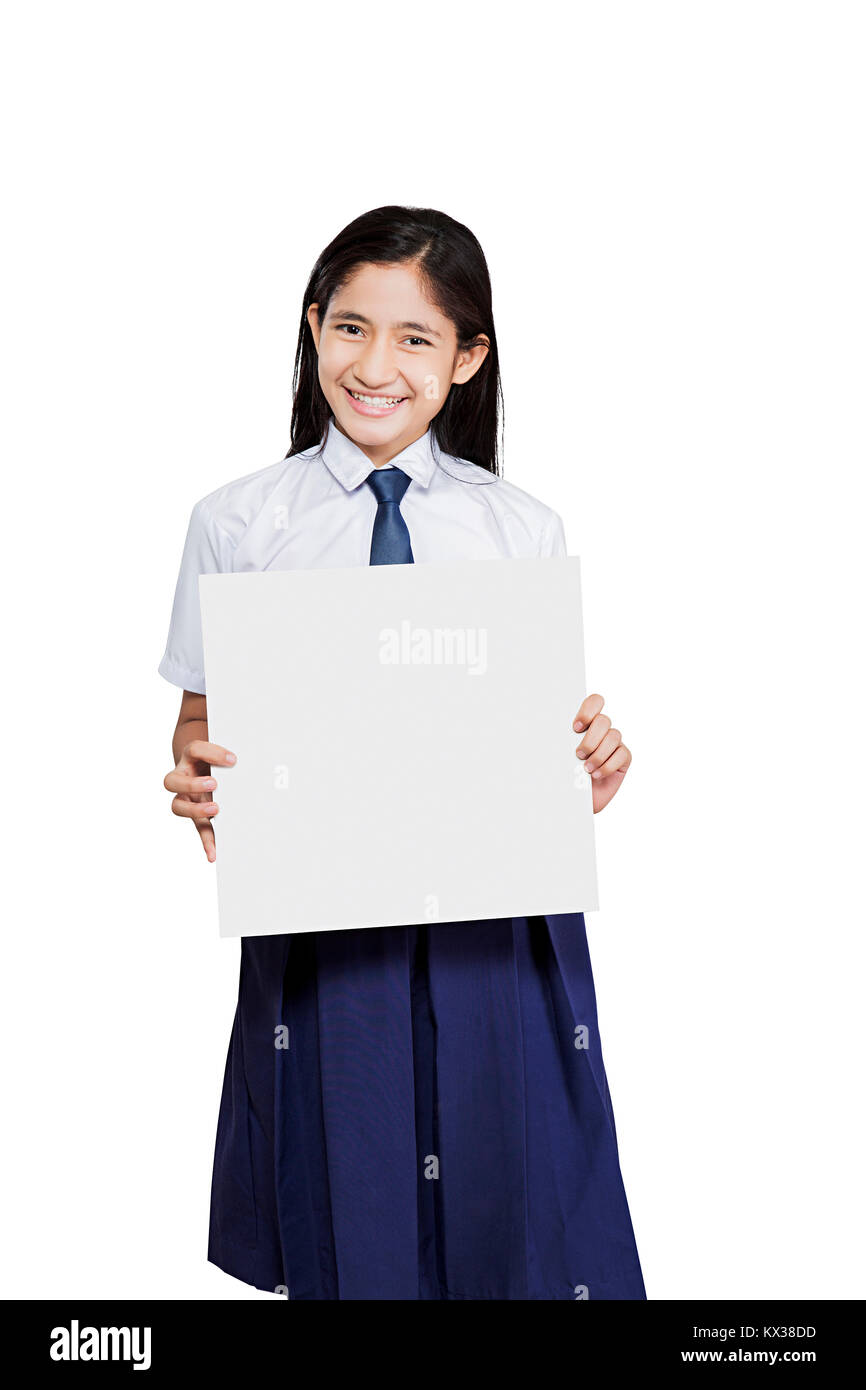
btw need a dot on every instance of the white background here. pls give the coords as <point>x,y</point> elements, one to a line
<point>670,197</point>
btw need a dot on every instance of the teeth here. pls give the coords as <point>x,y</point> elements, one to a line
<point>380,401</point>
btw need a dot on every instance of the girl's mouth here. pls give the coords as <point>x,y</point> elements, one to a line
<point>373,405</point>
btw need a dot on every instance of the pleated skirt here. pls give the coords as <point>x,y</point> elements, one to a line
<point>421,1112</point>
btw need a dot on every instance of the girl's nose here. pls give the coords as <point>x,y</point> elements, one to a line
<point>376,365</point>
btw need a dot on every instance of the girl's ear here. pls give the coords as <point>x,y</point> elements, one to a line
<point>470,360</point>
<point>313,321</point>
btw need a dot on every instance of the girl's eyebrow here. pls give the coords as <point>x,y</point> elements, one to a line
<point>359,318</point>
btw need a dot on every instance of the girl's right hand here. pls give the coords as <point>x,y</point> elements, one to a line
<point>193,786</point>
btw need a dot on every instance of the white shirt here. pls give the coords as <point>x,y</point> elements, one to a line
<point>314,511</point>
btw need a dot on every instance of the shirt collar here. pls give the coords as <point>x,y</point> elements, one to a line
<point>351,466</point>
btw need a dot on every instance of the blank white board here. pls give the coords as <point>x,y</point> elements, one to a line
<point>404,743</point>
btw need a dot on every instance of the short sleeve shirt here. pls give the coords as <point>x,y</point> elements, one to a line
<point>314,511</point>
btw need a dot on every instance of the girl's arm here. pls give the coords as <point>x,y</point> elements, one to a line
<point>191,722</point>
<point>191,779</point>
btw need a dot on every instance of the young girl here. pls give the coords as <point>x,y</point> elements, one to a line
<point>440,1125</point>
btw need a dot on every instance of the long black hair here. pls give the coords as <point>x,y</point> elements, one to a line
<point>451,265</point>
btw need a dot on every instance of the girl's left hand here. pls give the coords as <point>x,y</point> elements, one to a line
<point>606,757</point>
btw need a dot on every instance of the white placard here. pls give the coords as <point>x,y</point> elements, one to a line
<point>404,742</point>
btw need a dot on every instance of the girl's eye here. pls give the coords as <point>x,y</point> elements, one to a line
<point>352,329</point>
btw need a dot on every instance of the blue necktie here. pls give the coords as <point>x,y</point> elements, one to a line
<point>390,544</point>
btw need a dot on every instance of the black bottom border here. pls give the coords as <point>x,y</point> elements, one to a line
<point>246,1337</point>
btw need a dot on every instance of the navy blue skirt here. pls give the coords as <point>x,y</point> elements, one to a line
<point>421,1113</point>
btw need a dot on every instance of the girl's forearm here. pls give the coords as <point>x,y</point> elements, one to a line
<point>186,731</point>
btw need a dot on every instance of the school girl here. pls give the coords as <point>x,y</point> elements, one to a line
<point>432,1131</point>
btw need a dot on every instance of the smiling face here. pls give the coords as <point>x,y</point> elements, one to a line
<point>387,359</point>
